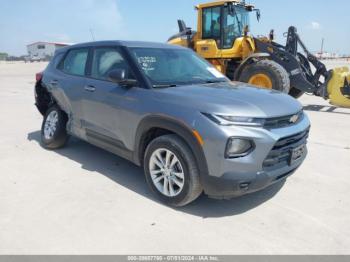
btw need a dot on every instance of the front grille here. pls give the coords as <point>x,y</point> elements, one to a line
<point>284,121</point>
<point>281,152</point>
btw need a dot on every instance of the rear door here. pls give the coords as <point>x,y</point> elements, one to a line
<point>68,85</point>
<point>104,105</point>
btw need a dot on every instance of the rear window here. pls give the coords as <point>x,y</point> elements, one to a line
<point>75,62</point>
<point>55,62</point>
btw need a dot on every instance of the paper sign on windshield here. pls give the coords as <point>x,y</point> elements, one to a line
<point>215,72</point>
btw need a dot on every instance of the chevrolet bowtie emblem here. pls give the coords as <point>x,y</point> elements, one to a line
<point>294,119</point>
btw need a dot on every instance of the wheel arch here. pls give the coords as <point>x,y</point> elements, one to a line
<point>252,58</point>
<point>43,98</point>
<point>169,125</point>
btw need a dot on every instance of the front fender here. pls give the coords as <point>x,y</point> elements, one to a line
<point>175,126</point>
<point>247,61</point>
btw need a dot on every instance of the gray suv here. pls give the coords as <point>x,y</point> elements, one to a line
<point>166,109</point>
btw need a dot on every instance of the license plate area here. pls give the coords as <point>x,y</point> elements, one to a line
<point>297,153</point>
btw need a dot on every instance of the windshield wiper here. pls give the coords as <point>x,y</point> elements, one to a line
<point>164,86</point>
<point>214,81</point>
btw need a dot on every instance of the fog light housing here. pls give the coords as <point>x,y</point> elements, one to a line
<point>238,147</point>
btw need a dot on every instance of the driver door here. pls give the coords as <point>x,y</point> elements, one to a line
<point>103,105</point>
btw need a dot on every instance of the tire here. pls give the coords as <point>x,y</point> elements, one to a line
<point>54,134</point>
<point>185,164</point>
<point>275,73</point>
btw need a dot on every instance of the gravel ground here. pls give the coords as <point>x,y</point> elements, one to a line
<point>82,200</point>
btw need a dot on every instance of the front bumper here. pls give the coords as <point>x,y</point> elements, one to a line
<point>268,164</point>
<point>230,186</point>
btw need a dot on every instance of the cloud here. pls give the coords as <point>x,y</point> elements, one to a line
<point>98,19</point>
<point>103,12</point>
<point>59,38</point>
<point>314,26</point>
<point>67,21</point>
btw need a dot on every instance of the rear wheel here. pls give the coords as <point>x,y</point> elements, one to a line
<point>53,130</point>
<point>171,171</point>
<point>266,74</point>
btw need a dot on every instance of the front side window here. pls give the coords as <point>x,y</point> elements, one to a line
<point>211,20</point>
<point>106,60</point>
<point>233,25</point>
<point>75,62</point>
<point>175,67</point>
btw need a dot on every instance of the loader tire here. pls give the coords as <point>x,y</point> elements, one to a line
<point>266,74</point>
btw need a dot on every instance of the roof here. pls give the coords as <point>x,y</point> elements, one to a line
<point>219,3</point>
<point>52,43</point>
<point>128,44</point>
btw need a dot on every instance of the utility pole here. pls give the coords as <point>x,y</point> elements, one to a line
<point>322,46</point>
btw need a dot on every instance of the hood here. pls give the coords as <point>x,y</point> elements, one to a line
<point>231,98</point>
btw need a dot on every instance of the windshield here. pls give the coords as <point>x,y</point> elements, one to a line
<point>234,24</point>
<point>171,67</point>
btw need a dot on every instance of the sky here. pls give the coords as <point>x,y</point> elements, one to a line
<point>26,21</point>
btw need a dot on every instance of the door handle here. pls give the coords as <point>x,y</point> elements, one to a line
<point>90,88</point>
<point>54,83</point>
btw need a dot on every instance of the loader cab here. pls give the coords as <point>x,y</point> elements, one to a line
<point>222,30</point>
<point>223,23</point>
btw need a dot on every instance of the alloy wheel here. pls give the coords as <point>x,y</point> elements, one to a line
<point>166,172</point>
<point>50,125</point>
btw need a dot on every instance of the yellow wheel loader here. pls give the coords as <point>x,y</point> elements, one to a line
<point>222,38</point>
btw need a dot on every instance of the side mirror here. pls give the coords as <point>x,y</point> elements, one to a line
<point>118,76</point>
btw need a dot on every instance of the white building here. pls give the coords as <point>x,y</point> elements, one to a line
<point>39,51</point>
<point>326,55</point>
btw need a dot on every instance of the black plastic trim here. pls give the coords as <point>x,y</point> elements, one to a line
<point>110,144</point>
<point>248,152</point>
<point>177,127</point>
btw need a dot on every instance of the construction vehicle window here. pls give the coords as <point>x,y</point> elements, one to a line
<point>233,25</point>
<point>211,23</point>
<point>106,60</point>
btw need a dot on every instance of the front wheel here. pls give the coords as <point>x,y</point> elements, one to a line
<point>53,130</point>
<point>171,171</point>
<point>266,74</point>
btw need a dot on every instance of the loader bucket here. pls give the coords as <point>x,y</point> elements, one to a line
<point>338,87</point>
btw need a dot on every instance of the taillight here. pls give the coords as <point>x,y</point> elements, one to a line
<point>39,76</point>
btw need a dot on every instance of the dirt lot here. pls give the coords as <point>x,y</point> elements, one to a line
<point>82,200</point>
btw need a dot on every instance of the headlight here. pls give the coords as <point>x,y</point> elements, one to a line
<point>238,147</point>
<point>236,120</point>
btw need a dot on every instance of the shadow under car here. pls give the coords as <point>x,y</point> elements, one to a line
<point>128,175</point>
